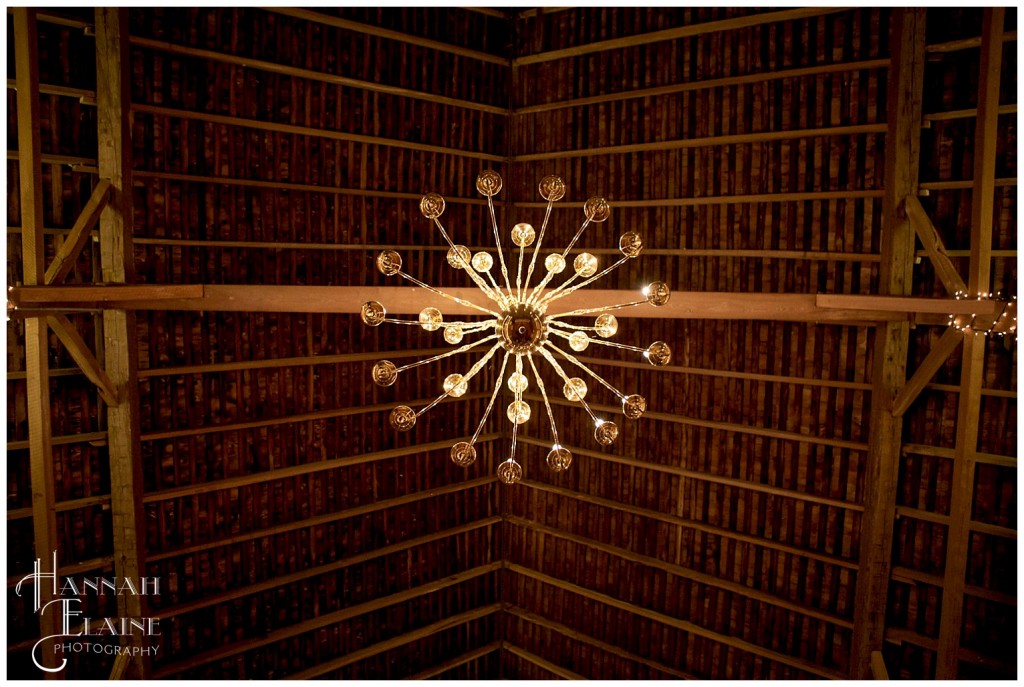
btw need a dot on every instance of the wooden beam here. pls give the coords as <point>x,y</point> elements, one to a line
<point>566,631</point>
<point>379,32</point>
<point>699,201</point>
<point>789,307</point>
<point>966,43</point>
<point>324,519</point>
<point>95,438</point>
<point>113,62</point>
<point>972,370</point>
<point>684,572</point>
<point>934,246</point>
<point>469,656</point>
<point>705,141</point>
<point>544,664</point>
<point>705,84</point>
<point>677,33</point>
<point>970,113</point>
<point>44,518</point>
<point>695,525</point>
<point>328,619</point>
<point>311,75</point>
<point>281,580</point>
<point>684,625</point>
<point>891,340</point>
<point>690,474</point>
<point>878,671</point>
<point>935,359</point>
<point>69,250</point>
<point>83,357</point>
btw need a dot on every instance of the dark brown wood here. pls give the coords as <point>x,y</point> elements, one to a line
<point>935,359</point>
<point>891,340</point>
<point>69,251</point>
<point>83,357</point>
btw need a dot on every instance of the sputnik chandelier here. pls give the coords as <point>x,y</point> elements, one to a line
<point>519,326</point>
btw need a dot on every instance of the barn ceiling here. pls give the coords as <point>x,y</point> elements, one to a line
<point>820,488</point>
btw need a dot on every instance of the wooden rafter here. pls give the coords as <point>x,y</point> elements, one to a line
<point>902,144</point>
<point>935,359</point>
<point>934,246</point>
<point>64,261</point>
<point>83,357</point>
<point>44,517</point>
<point>452,663</point>
<point>971,373</point>
<point>542,663</point>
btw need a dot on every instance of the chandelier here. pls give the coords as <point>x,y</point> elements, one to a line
<point>519,325</point>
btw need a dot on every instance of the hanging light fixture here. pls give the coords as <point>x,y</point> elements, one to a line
<point>519,325</point>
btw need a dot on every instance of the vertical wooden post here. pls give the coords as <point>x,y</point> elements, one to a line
<point>44,517</point>
<point>969,407</point>
<point>114,159</point>
<point>903,138</point>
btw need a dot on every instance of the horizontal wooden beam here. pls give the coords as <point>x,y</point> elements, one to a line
<point>704,84</point>
<point>695,525</point>
<point>282,580</point>
<point>684,625</point>
<point>324,519</point>
<point>960,184</point>
<point>943,519</point>
<point>81,164</point>
<point>676,33</point>
<point>102,500</point>
<point>966,43</point>
<point>790,307</point>
<point>83,357</point>
<point>707,141</point>
<point>965,114</point>
<point>72,246</point>
<point>379,32</point>
<point>566,631</point>
<point>684,572</point>
<point>284,186</point>
<point>935,359</point>
<point>326,620</point>
<point>294,129</point>
<point>291,419</point>
<point>311,75</point>
<point>301,470</point>
<point>544,664</point>
<point>95,438</point>
<point>908,575</point>
<point>452,663</point>
<point>700,201</point>
<point>698,475</point>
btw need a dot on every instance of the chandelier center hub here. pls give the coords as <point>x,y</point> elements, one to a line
<point>521,329</point>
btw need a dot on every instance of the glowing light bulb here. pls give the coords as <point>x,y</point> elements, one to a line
<point>430,319</point>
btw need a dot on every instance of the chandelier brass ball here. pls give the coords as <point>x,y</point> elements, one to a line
<point>453,333</point>
<point>585,264</point>
<point>463,454</point>
<point>403,418</point>
<point>384,373</point>
<point>606,433</point>
<point>575,389</point>
<point>606,325</point>
<point>658,354</point>
<point>459,257</point>
<point>455,385</point>
<point>431,319</point>
<point>634,406</point>
<point>657,293</point>
<point>597,209</point>
<point>554,263</point>
<point>523,234</point>
<point>559,459</point>
<point>488,183</point>
<point>432,205</point>
<point>551,188</point>
<point>631,244</point>
<point>372,313</point>
<point>482,262</point>
<point>389,262</point>
<point>510,471</point>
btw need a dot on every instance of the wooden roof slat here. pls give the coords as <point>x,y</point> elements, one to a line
<point>540,662</point>
<point>467,657</point>
<point>676,33</point>
<point>329,619</point>
<point>965,43</point>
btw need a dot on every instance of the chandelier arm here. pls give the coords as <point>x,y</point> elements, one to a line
<point>544,395</point>
<point>497,245</point>
<point>555,295</point>
<point>439,292</point>
<point>515,431</point>
<point>588,311</point>
<point>602,342</point>
<point>467,327</point>
<point>443,232</point>
<point>535,293</point>
<point>480,363</point>
<point>493,283</point>
<point>572,359</point>
<point>580,327</point>
<point>561,373</point>
<point>460,349</point>
<point>575,238</point>
<point>432,404</point>
<point>469,269</point>
<point>490,404</point>
<point>536,246</point>
<point>549,297</point>
<point>519,275</point>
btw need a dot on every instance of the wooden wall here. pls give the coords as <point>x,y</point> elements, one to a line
<point>297,535</point>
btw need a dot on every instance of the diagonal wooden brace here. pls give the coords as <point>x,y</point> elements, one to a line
<point>72,246</point>
<point>927,369</point>
<point>68,334</point>
<point>934,246</point>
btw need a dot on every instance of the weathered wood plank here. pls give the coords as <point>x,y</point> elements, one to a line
<point>935,359</point>
<point>891,340</point>
<point>934,246</point>
<point>83,357</point>
<point>64,261</point>
<point>972,370</point>
<point>541,663</point>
